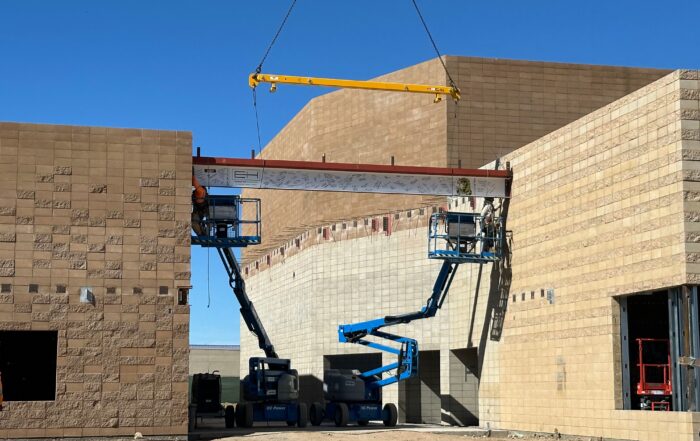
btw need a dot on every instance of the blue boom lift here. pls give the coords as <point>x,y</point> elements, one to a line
<point>356,396</point>
<point>271,387</point>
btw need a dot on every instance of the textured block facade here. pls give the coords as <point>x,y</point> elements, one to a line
<point>104,210</point>
<point>601,208</point>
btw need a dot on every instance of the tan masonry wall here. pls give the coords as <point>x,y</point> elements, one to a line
<point>505,105</point>
<point>597,211</point>
<point>106,209</point>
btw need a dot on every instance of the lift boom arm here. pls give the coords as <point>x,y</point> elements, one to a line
<point>407,364</point>
<point>250,316</point>
<point>257,78</point>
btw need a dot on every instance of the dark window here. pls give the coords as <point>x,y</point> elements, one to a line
<point>28,375</point>
<point>163,290</point>
<point>542,293</point>
<point>522,297</point>
<point>33,288</point>
<point>6,287</point>
<point>61,289</point>
<point>111,290</point>
<point>137,291</point>
<point>532,295</point>
<point>183,293</point>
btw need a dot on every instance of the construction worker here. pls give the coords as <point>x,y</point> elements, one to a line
<point>487,225</point>
<point>200,206</point>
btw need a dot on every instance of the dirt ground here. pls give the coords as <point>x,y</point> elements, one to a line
<point>364,435</point>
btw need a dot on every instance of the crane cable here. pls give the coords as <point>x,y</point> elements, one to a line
<point>262,60</point>
<point>430,36</point>
<point>258,69</point>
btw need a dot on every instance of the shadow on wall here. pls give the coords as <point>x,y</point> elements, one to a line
<point>499,292</point>
<point>458,414</point>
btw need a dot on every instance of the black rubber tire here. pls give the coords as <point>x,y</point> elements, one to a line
<point>303,417</point>
<point>230,416</point>
<point>316,414</point>
<point>244,415</point>
<point>390,415</point>
<point>363,422</point>
<point>342,414</point>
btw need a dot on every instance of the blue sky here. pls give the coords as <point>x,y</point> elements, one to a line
<point>184,65</point>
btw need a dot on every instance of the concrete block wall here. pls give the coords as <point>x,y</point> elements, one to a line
<point>107,209</point>
<point>505,105</point>
<point>597,211</point>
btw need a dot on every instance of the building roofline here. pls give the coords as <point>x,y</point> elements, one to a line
<point>217,347</point>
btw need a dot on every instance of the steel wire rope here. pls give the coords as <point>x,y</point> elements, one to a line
<point>259,68</point>
<point>437,51</point>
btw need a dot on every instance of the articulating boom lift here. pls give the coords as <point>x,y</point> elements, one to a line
<point>356,396</point>
<point>271,388</point>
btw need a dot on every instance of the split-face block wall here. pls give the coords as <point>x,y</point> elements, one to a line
<point>94,247</point>
<point>602,209</point>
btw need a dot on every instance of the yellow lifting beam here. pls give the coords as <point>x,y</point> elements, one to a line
<point>257,78</point>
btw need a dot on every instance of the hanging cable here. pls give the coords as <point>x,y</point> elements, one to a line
<point>257,119</point>
<point>259,68</point>
<point>274,39</point>
<point>208,283</point>
<point>430,36</point>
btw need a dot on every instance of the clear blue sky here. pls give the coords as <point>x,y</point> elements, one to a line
<point>184,65</point>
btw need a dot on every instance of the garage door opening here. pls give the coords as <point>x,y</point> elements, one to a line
<point>419,397</point>
<point>28,365</point>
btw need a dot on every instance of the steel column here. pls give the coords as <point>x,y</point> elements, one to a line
<point>625,355</point>
<point>678,399</point>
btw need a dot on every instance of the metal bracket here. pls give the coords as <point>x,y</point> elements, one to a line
<point>689,361</point>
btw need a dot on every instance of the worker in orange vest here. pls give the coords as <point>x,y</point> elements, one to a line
<point>200,207</point>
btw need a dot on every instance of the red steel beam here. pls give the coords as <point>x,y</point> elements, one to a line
<point>347,167</point>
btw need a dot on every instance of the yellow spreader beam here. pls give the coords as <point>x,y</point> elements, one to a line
<point>257,78</point>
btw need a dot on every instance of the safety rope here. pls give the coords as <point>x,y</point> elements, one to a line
<point>430,36</point>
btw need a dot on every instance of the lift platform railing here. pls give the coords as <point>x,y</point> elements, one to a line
<point>228,221</point>
<point>654,367</point>
<point>465,237</point>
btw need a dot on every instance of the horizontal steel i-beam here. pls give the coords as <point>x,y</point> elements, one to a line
<point>344,177</point>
